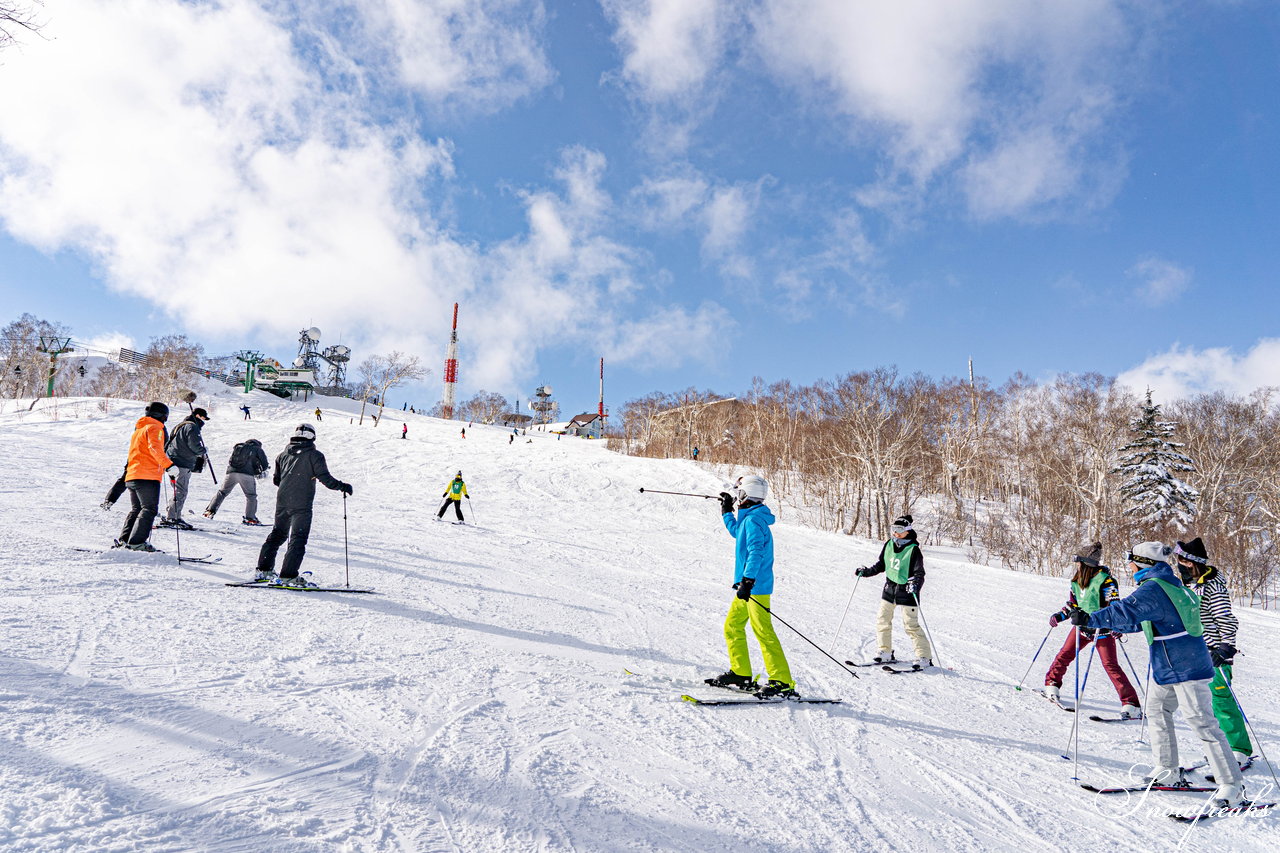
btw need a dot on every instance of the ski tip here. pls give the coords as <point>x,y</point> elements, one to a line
<point>686,697</point>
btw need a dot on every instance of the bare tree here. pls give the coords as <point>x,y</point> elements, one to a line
<point>16,17</point>
<point>382,373</point>
<point>169,361</point>
<point>485,407</point>
<point>25,368</point>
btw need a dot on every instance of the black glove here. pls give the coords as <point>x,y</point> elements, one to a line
<point>864,572</point>
<point>744,588</point>
<point>726,503</point>
<point>1223,654</point>
<point>911,588</point>
<point>199,466</point>
<point>346,489</point>
<point>468,497</point>
<point>1079,618</point>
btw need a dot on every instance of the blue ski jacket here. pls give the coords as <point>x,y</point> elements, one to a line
<point>1175,660</point>
<point>753,552</point>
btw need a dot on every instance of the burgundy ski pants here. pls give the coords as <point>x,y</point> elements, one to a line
<point>1106,653</point>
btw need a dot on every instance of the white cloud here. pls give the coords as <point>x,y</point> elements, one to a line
<point>107,343</point>
<point>1185,371</point>
<point>1009,98</point>
<point>1159,281</point>
<point>208,165</point>
<point>671,336</point>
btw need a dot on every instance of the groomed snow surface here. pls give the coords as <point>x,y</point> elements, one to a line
<point>480,702</point>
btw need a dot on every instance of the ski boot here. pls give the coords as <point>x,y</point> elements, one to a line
<point>1165,776</point>
<point>884,657</point>
<point>253,522</point>
<point>1131,712</point>
<point>1228,796</point>
<point>146,547</point>
<point>264,576</point>
<point>922,663</point>
<point>733,681</point>
<point>302,581</point>
<point>779,689</point>
<point>207,514</point>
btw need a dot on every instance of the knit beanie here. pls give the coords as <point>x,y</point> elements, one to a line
<point>1090,555</point>
<point>1193,551</point>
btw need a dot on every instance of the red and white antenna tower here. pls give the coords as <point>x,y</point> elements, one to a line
<point>600,411</point>
<point>450,370</point>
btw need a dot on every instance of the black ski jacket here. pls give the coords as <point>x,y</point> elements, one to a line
<point>185,443</point>
<point>297,470</point>
<point>252,459</point>
<point>897,592</point>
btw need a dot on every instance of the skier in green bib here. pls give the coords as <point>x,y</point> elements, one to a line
<point>1092,588</point>
<point>903,566</point>
<point>1220,626</point>
<point>1169,615</point>
<point>453,494</point>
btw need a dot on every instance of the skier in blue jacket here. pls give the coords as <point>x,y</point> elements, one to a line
<point>753,580</point>
<point>1169,614</point>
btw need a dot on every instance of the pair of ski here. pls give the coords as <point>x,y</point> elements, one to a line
<point>269,585</point>
<point>749,697</point>
<point>207,559</point>
<point>1202,815</point>
<point>1057,703</point>
<point>884,667</point>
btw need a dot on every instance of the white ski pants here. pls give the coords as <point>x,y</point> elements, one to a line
<point>1196,702</point>
<point>910,621</point>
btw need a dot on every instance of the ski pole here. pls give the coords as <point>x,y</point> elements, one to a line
<point>1033,660</point>
<point>471,504</point>
<point>757,603</point>
<point>924,622</point>
<point>177,531</point>
<point>1133,669</point>
<point>1080,688</point>
<point>645,491</point>
<point>346,556</point>
<point>1252,733</point>
<point>840,627</point>
<point>1146,691</point>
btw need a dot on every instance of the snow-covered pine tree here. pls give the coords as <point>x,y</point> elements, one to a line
<point>1152,492</point>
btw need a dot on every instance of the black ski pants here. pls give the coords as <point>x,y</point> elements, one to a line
<point>144,500</point>
<point>117,489</point>
<point>293,525</point>
<point>457,507</point>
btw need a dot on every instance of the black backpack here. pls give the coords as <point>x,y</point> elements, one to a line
<point>242,457</point>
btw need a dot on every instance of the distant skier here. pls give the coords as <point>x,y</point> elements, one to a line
<point>143,473</point>
<point>903,565</point>
<point>753,580</point>
<point>319,416</point>
<point>1092,588</point>
<point>464,432</point>
<point>245,409</point>
<point>1220,626</point>
<point>511,438</point>
<point>296,472</point>
<point>695,454</point>
<point>248,462</point>
<point>404,430</point>
<point>1169,614</point>
<point>453,494</point>
<point>186,449</point>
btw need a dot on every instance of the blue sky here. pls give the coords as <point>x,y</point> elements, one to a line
<point>700,191</point>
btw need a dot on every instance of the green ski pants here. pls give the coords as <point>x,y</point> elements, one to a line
<point>1228,712</point>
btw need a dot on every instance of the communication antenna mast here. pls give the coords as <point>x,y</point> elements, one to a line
<point>600,411</point>
<point>308,351</point>
<point>543,404</point>
<point>337,356</point>
<point>450,370</point>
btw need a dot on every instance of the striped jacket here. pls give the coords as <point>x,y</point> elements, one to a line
<point>1220,623</point>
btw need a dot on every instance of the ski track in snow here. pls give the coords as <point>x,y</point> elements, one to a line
<point>480,703</point>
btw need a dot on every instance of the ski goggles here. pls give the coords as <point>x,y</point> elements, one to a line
<point>900,529</point>
<point>1141,561</point>
<point>1177,550</point>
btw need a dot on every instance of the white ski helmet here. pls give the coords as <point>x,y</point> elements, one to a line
<point>752,487</point>
<point>305,431</point>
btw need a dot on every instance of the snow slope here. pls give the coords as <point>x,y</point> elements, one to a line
<point>480,702</point>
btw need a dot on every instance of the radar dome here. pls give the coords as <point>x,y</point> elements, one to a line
<point>313,333</point>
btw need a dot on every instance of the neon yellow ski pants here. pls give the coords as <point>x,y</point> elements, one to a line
<point>735,637</point>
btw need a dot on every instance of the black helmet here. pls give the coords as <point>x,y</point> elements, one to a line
<point>159,411</point>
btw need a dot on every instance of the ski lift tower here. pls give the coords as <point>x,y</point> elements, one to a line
<point>543,404</point>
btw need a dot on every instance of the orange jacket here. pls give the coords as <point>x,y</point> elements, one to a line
<point>146,451</point>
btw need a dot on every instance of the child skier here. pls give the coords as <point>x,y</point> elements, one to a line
<point>454,493</point>
<point>1220,626</point>
<point>753,580</point>
<point>903,565</point>
<point>1169,614</point>
<point>1092,588</point>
